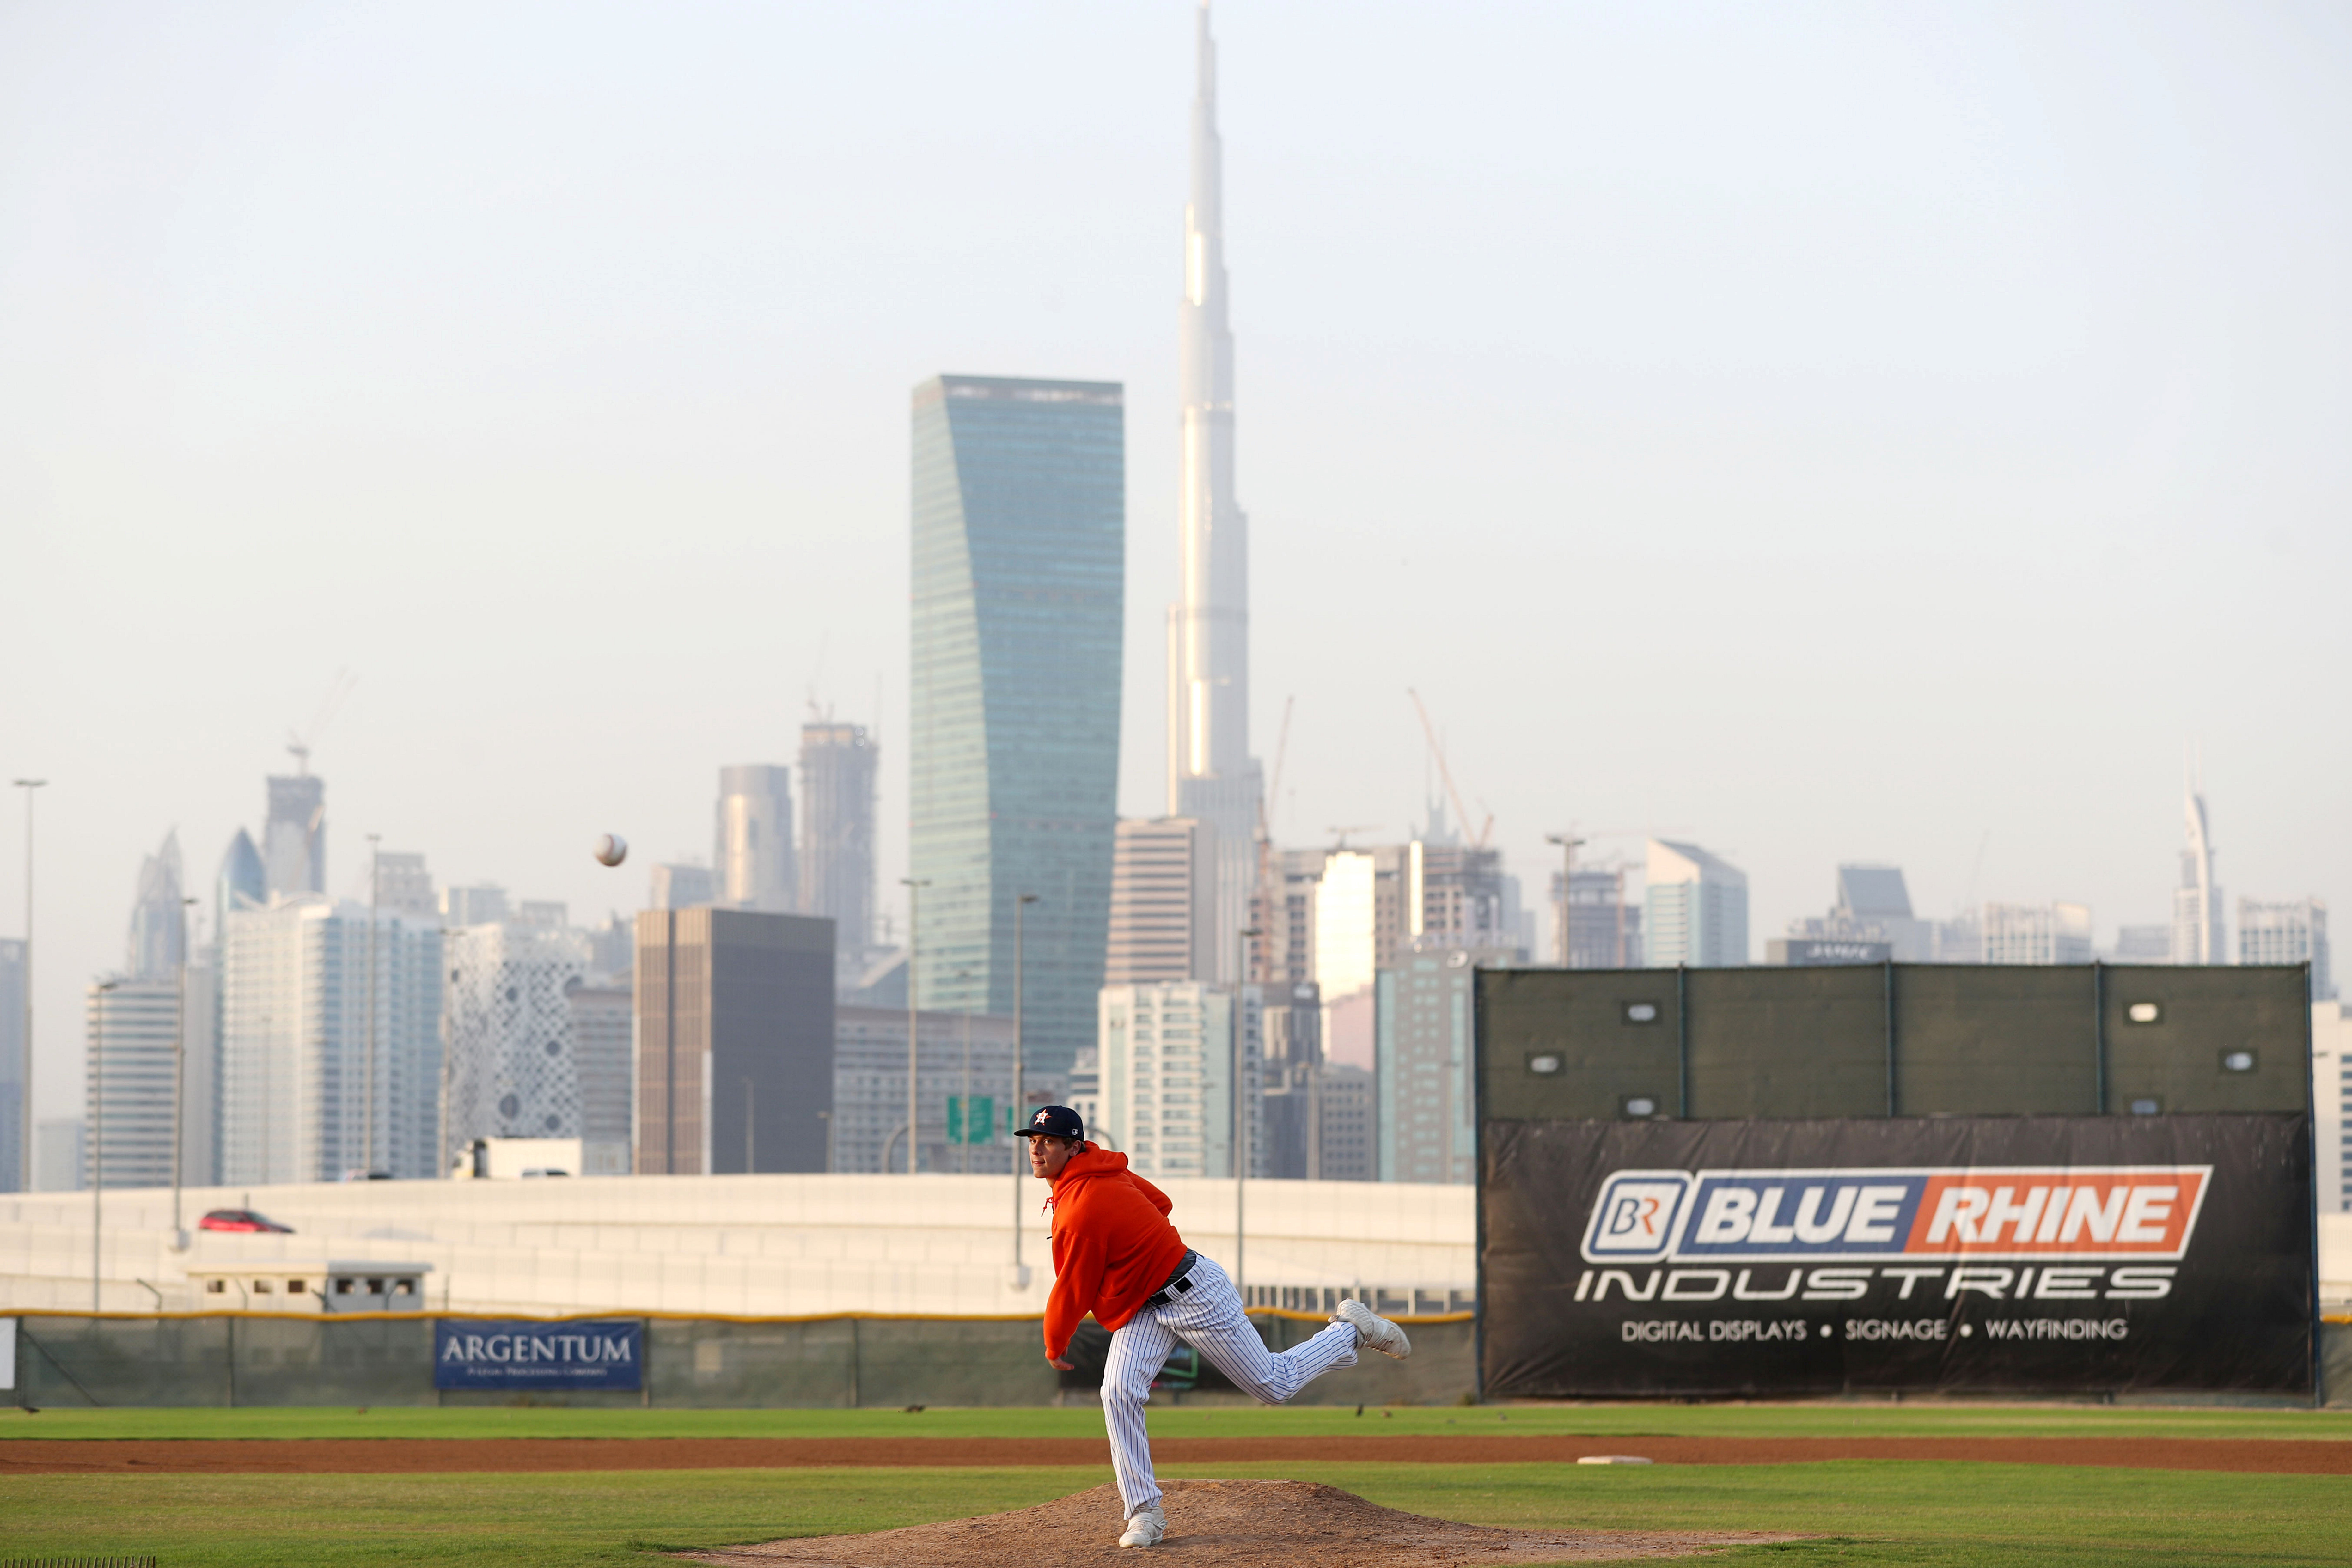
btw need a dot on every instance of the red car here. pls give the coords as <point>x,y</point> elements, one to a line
<point>241,1219</point>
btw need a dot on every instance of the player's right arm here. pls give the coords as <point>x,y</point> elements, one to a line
<point>1077,1280</point>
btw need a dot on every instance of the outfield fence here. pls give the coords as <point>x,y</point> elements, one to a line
<point>232,1358</point>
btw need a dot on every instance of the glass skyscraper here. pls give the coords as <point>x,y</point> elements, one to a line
<point>1020,560</point>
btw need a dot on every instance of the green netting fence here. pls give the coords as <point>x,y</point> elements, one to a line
<point>229,1359</point>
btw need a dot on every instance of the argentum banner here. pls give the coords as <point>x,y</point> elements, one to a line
<point>527,1354</point>
<point>2018,1254</point>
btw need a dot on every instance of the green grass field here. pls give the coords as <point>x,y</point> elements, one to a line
<point>1083,1419</point>
<point>1869,1512</point>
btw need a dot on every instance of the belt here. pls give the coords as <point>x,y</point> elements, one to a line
<point>1178,1282</point>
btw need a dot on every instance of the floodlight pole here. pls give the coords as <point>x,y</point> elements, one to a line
<point>367,1111</point>
<point>98,1140</point>
<point>25,1145</point>
<point>1243,1101</point>
<point>1568,842</point>
<point>1019,1115</point>
<point>180,1083</point>
<point>914,886</point>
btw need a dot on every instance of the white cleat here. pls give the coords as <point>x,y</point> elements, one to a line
<point>1374,1329</point>
<point>1145,1526</point>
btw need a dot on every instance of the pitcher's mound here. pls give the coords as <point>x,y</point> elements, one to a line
<point>1248,1523</point>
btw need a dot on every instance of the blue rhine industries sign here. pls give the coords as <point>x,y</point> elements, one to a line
<point>521,1353</point>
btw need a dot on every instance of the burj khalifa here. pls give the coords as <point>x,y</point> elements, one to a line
<point>1211,774</point>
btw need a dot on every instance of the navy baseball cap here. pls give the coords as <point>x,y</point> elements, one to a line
<point>1055,1121</point>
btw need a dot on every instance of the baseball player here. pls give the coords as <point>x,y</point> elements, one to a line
<point>1116,1254</point>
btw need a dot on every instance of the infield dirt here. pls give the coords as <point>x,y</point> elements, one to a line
<point>1255,1524</point>
<point>394,1455</point>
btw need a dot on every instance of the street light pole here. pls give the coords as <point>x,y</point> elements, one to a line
<point>25,1147</point>
<point>1243,1104</point>
<point>1019,1115</point>
<point>98,1137</point>
<point>914,886</point>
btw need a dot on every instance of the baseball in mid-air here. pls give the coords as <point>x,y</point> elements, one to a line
<point>611,848</point>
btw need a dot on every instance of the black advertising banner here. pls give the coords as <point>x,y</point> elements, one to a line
<point>525,1352</point>
<point>1993,1254</point>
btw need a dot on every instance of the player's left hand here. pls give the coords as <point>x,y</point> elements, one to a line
<point>1058,1365</point>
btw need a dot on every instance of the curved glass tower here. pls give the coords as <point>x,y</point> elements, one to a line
<point>1020,561</point>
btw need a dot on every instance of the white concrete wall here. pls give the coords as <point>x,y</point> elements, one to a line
<point>2335,1262</point>
<point>748,1245</point>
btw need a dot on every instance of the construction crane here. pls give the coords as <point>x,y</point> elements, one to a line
<point>299,741</point>
<point>1273,784</point>
<point>1461,811</point>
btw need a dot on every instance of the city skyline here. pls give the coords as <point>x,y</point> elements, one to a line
<point>1944,409</point>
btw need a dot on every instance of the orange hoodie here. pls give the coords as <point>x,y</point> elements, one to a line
<point>1113,1247</point>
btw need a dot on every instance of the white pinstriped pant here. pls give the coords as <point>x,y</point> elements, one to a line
<point>1210,1318</point>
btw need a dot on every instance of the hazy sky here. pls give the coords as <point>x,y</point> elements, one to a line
<point>1821,432</point>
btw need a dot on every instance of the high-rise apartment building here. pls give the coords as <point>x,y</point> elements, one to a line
<point>2290,933</point>
<point>1696,909</point>
<point>1349,1135</point>
<point>604,1033</point>
<point>403,885</point>
<point>242,881</point>
<point>1423,1099</point>
<point>1873,906</point>
<point>294,835</point>
<point>963,1087</point>
<point>1605,927</point>
<point>15,1158</point>
<point>1289,1096</point>
<point>838,766</point>
<point>200,1069</point>
<point>752,858</point>
<point>735,1039</point>
<point>1211,777</point>
<point>1163,901</point>
<point>1458,893</point>
<point>1019,559</point>
<point>131,1029</point>
<point>481,906</point>
<point>681,885</point>
<point>2143,945</point>
<point>2197,935</point>
<point>330,1043</point>
<point>2037,933</point>
<point>159,923</point>
<point>1167,1067</point>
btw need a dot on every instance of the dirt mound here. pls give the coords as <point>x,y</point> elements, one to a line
<point>1250,1524</point>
